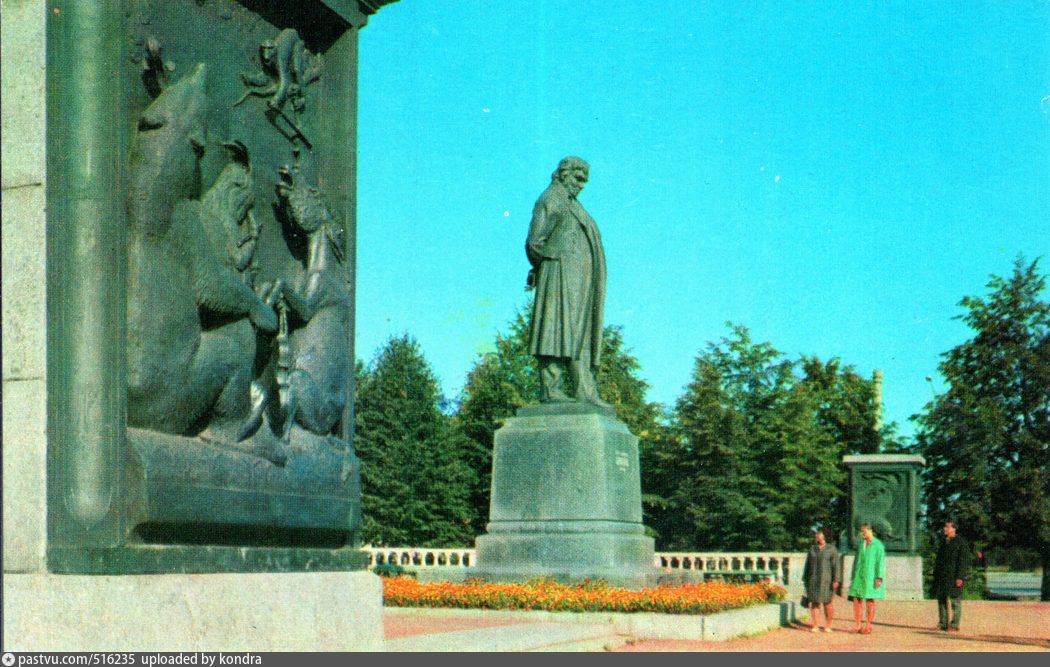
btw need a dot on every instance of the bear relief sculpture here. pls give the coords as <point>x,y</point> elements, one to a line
<point>197,326</point>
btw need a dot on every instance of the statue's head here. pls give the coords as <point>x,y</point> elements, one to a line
<point>881,493</point>
<point>266,51</point>
<point>572,172</point>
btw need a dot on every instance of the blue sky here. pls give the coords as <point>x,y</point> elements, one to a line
<point>834,178</point>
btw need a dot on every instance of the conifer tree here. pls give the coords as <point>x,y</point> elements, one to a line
<point>986,440</point>
<point>415,482</point>
<point>755,461</point>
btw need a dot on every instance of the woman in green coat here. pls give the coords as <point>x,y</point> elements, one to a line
<point>869,570</point>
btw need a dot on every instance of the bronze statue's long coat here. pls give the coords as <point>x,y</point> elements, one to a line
<point>565,249</point>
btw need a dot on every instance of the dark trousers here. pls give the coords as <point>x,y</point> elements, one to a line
<point>942,612</point>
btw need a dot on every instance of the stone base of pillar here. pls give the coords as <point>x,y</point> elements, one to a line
<point>317,611</point>
<point>903,576</point>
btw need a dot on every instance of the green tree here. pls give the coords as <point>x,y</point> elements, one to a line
<point>846,412</point>
<point>416,483</point>
<point>986,440</point>
<point>811,486</point>
<point>754,460</point>
<point>846,405</point>
<point>713,499</point>
<point>500,382</point>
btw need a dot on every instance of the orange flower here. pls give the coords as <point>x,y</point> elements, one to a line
<point>545,593</point>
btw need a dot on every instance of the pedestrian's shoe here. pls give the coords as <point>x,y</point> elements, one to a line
<point>814,629</point>
<point>953,629</point>
<point>827,629</point>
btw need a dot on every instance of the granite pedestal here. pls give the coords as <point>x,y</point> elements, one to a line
<point>566,500</point>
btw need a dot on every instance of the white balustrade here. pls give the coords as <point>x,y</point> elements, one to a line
<point>779,565</point>
<point>418,557</point>
<point>783,567</point>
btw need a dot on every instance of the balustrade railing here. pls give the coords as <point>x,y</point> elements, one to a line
<point>420,557</point>
<point>782,567</point>
<point>778,565</point>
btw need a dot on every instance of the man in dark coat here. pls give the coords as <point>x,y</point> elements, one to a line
<point>568,272</point>
<point>950,571</point>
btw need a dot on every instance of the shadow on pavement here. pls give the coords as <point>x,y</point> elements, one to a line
<point>962,636</point>
<point>999,639</point>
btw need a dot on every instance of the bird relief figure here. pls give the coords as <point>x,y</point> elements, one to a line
<point>287,68</point>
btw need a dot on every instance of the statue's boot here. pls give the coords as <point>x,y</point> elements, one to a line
<point>552,380</point>
<point>556,395</point>
<point>594,400</point>
<point>586,389</point>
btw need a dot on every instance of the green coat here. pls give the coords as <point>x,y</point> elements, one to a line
<point>869,565</point>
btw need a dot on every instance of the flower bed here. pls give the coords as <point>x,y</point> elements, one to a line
<point>546,595</point>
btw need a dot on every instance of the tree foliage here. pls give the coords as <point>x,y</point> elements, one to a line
<point>500,382</point>
<point>416,481</point>
<point>986,440</point>
<point>753,454</point>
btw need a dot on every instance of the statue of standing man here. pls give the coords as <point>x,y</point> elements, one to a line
<point>568,272</point>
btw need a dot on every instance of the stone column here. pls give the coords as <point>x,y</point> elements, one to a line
<point>884,491</point>
<point>73,485</point>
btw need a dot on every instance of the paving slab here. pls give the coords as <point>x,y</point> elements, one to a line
<point>441,629</point>
<point>508,637</point>
<point>898,626</point>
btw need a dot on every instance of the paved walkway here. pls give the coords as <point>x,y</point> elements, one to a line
<point>899,626</point>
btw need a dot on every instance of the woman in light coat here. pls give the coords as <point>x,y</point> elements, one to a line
<point>822,576</point>
<point>869,571</point>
